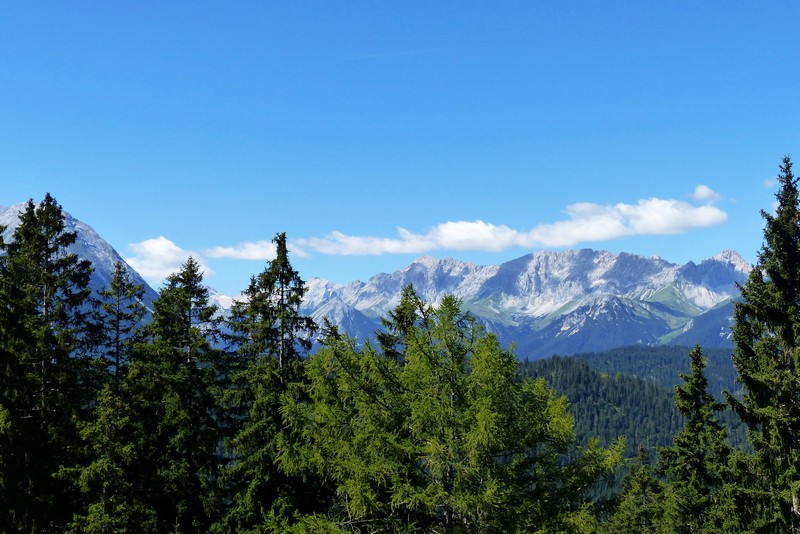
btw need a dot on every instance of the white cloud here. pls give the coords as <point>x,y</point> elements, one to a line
<point>457,235</point>
<point>155,259</point>
<point>703,193</point>
<point>463,235</point>
<point>255,250</point>
<point>585,222</point>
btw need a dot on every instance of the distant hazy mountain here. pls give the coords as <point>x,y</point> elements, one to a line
<point>88,245</point>
<point>558,302</point>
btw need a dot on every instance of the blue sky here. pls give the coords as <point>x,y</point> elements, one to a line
<point>375,132</point>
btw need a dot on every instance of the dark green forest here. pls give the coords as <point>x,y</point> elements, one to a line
<point>630,392</point>
<point>607,406</point>
<point>114,418</point>
<point>662,365</point>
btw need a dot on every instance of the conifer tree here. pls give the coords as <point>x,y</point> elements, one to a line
<point>173,383</point>
<point>767,356</point>
<point>107,478</point>
<point>115,493</point>
<point>639,506</point>
<point>695,466</point>
<point>11,377</point>
<point>271,336</point>
<point>120,316</point>
<point>45,302</point>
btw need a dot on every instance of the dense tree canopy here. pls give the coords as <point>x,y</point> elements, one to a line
<point>271,337</point>
<point>113,419</point>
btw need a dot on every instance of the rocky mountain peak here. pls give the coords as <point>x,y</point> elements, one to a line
<point>605,299</point>
<point>733,258</point>
<point>88,246</point>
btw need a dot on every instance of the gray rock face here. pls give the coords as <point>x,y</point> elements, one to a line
<point>559,302</point>
<point>545,303</point>
<point>88,246</point>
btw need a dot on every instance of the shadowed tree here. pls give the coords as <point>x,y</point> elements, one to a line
<point>173,383</point>
<point>696,464</point>
<point>107,478</point>
<point>46,363</point>
<point>639,508</point>
<point>271,337</point>
<point>119,318</point>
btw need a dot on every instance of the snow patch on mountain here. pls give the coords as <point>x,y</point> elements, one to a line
<point>574,290</point>
<point>88,246</point>
<point>544,302</point>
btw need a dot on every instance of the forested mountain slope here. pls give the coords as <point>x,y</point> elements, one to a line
<point>609,405</point>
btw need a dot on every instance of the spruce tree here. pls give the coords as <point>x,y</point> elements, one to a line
<point>766,334</point>
<point>639,507</point>
<point>173,382</point>
<point>108,476</point>
<point>119,320</point>
<point>695,466</point>
<point>271,337</point>
<point>115,492</point>
<point>45,303</point>
<point>11,379</point>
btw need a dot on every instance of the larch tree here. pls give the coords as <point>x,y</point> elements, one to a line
<point>439,434</point>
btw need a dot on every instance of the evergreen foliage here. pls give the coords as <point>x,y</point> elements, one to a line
<point>173,382</point>
<point>766,334</point>
<point>47,369</point>
<point>663,365</point>
<point>607,406</point>
<point>119,320</point>
<point>696,464</point>
<point>115,492</point>
<point>112,492</point>
<point>110,425</point>
<point>639,506</point>
<point>271,336</point>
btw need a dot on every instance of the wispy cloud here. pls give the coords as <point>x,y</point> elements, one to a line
<point>254,250</point>
<point>703,193</point>
<point>155,259</point>
<point>585,222</point>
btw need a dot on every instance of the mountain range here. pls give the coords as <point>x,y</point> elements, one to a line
<point>558,302</point>
<point>545,303</point>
